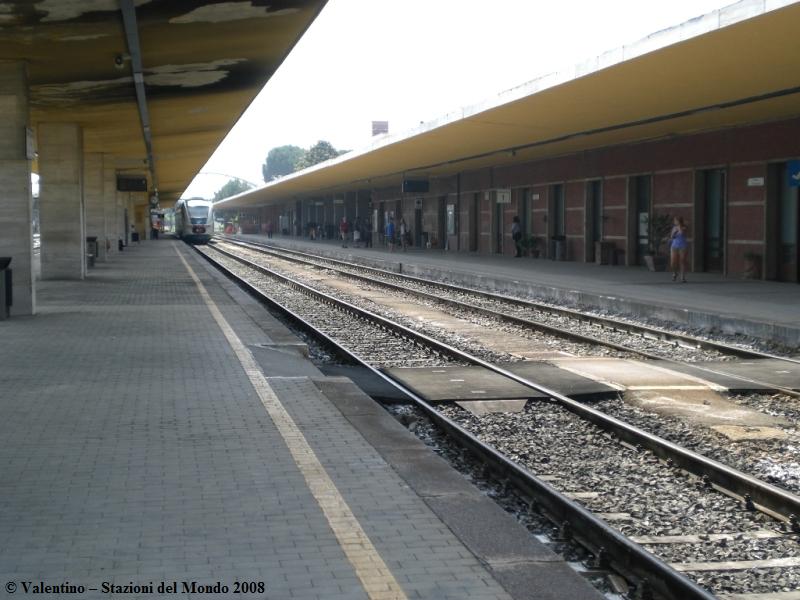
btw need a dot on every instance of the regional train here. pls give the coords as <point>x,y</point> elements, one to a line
<point>194,220</point>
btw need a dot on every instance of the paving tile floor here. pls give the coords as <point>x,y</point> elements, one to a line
<point>134,450</point>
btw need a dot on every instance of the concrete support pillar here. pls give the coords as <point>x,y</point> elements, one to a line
<point>122,226</point>
<point>16,205</point>
<point>113,235</point>
<point>61,201</point>
<point>94,200</point>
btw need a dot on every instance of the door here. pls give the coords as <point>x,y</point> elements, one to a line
<point>474,218</point>
<point>441,224</point>
<point>418,224</point>
<point>498,228</point>
<point>642,191</point>
<point>714,220</point>
<point>594,217</point>
<point>524,213</point>
<point>788,226</point>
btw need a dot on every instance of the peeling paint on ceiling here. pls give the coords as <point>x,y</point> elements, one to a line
<point>82,38</point>
<point>190,75</point>
<point>230,11</point>
<point>64,10</point>
<point>65,94</point>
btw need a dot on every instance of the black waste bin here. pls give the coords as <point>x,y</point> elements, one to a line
<point>91,250</point>
<point>558,247</point>
<point>5,287</point>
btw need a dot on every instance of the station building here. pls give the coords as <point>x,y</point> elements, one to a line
<point>700,121</point>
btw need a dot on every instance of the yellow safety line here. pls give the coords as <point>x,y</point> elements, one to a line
<point>375,576</point>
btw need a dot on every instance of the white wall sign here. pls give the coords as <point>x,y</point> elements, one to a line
<point>535,196</point>
<point>504,196</point>
<point>755,182</point>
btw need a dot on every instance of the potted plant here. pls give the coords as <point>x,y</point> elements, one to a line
<point>659,226</point>
<point>752,265</point>
<point>530,245</point>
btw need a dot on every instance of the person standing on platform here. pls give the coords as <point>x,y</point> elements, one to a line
<point>389,233</point>
<point>403,234</point>
<point>357,233</point>
<point>367,233</point>
<point>269,230</point>
<point>516,235</point>
<point>343,228</point>
<point>679,248</point>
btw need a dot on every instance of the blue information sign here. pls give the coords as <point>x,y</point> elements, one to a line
<point>793,173</point>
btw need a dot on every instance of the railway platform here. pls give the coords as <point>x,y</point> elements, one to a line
<point>160,428</point>
<point>762,309</point>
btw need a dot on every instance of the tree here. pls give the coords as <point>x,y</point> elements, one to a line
<point>319,152</point>
<point>281,161</point>
<point>233,187</point>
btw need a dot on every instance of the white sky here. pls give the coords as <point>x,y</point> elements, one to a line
<point>408,61</point>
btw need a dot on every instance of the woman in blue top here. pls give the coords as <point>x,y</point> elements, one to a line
<point>679,248</point>
<point>389,234</point>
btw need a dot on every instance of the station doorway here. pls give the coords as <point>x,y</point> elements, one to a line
<point>441,222</point>
<point>712,222</point>
<point>418,222</point>
<point>594,217</point>
<point>474,218</point>
<point>783,234</point>
<point>524,213</point>
<point>641,189</point>
<point>498,227</point>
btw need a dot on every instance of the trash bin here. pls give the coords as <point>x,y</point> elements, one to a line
<point>91,250</point>
<point>558,247</point>
<point>5,287</point>
<point>603,253</point>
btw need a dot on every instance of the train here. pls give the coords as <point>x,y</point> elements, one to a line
<point>194,220</point>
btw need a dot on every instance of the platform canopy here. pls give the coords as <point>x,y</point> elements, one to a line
<point>201,62</point>
<point>732,67</point>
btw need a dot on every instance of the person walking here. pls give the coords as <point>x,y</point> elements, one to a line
<point>343,229</point>
<point>389,234</point>
<point>516,235</point>
<point>403,234</point>
<point>679,248</point>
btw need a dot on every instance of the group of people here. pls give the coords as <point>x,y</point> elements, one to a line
<point>361,232</point>
<point>393,234</point>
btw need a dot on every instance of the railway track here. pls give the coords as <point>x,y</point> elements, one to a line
<point>664,479</point>
<point>648,342</point>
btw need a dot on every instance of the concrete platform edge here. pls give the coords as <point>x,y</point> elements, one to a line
<point>517,561</point>
<point>692,318</point>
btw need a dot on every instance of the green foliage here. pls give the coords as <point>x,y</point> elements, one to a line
<point>659,226</point>
<point>319,152</point>
<point>233,187</point>
<point>529,244</point>
<point>281,161</point>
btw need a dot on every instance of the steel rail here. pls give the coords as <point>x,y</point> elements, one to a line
<point>782,503</point>
<point>630,328</point>
<point>624,555</point>
<point>655,332</point>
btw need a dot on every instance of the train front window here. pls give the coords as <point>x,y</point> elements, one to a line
<point>198,212</point>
